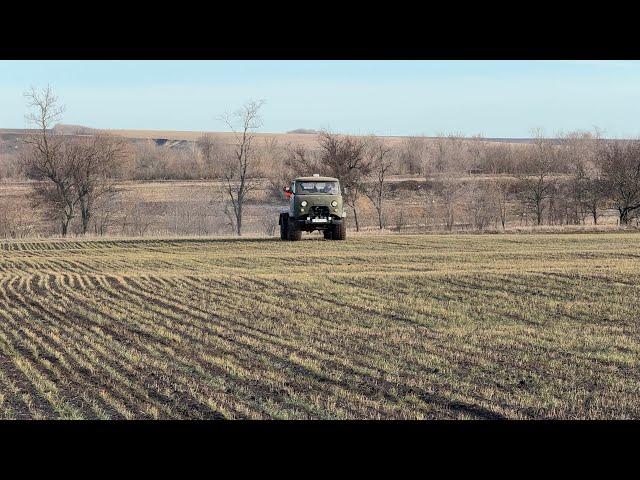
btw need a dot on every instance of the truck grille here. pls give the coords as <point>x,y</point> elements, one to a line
<point>319,211</point>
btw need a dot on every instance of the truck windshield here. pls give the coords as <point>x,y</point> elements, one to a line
<point>318,188</point>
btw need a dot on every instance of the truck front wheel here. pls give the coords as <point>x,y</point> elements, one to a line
<point>295,233</point>
<point>284,227</point>
<point>339,232</point>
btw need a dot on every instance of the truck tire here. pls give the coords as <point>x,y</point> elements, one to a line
<point>340,232</point>
<point>284,227</point>
<point>295,233</point>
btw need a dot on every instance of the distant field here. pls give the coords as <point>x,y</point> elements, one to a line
<point>306,139</point>
<point>309,140</point>
<point>464,326</point>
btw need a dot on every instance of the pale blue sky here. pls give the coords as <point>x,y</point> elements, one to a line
<point>494,98</point>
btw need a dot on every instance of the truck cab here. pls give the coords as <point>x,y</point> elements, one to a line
<point>315,203</point>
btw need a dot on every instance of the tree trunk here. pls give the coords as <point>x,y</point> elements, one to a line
<point>239,220</point>
<point>449,219</point>
<point>86,217</point>
<point>624,216</point>
<point>380,218</point>
<point>355,217</point>
<point>539,214</point>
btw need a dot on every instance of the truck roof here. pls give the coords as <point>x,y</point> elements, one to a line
<point>316,179</point>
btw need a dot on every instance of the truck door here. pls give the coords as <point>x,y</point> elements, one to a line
<point>292,199</point>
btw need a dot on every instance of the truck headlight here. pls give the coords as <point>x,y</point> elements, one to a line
<point>334,204</point>
<point>303,203</point>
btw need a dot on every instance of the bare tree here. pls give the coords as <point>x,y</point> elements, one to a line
<point>289,162</point>
<point>343,157</point>
<point>501,157</point>
<point>150,162</point>
<point>620,161</point>
<point>269,223</point>
<point>16,218</point>
<point>429,195</point>
<point>49,160</point>
<point>205,144</point>
<point>411,154</point>
<point>105,209</point>
<point>380,162</point>
<point>211,152</point>
<point>480,204</point>
<point>556,203</point>
<point>136,220</point>
<point>594,196</point>
<point>444,167</point>
<point>55,190</point>
<point>477,152</point>
<point>46,111</point>
<point>578,152</point>
<point>294,162</point>
<point>73,174</point>
<point>501,189</point>
<point>536,182</point>
<point>239,171</point>
<point>438,155</point>
<point>449,190</point>
<point>400,220</point>
<point>96,172</point>
<point>593,193</point>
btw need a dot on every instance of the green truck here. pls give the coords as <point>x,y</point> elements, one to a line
<point>315,203</point>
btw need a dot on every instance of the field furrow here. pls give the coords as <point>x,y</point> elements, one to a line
<point>464,326</point>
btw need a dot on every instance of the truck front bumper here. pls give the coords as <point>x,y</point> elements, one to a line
<point>318,222</point>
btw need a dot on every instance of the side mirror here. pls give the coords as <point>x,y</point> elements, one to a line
<point>345,191</point>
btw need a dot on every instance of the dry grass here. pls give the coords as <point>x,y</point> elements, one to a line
<point>167,206</point>
<point>515,326</point>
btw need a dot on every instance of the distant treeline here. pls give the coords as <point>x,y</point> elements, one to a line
<point>564,180</point>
